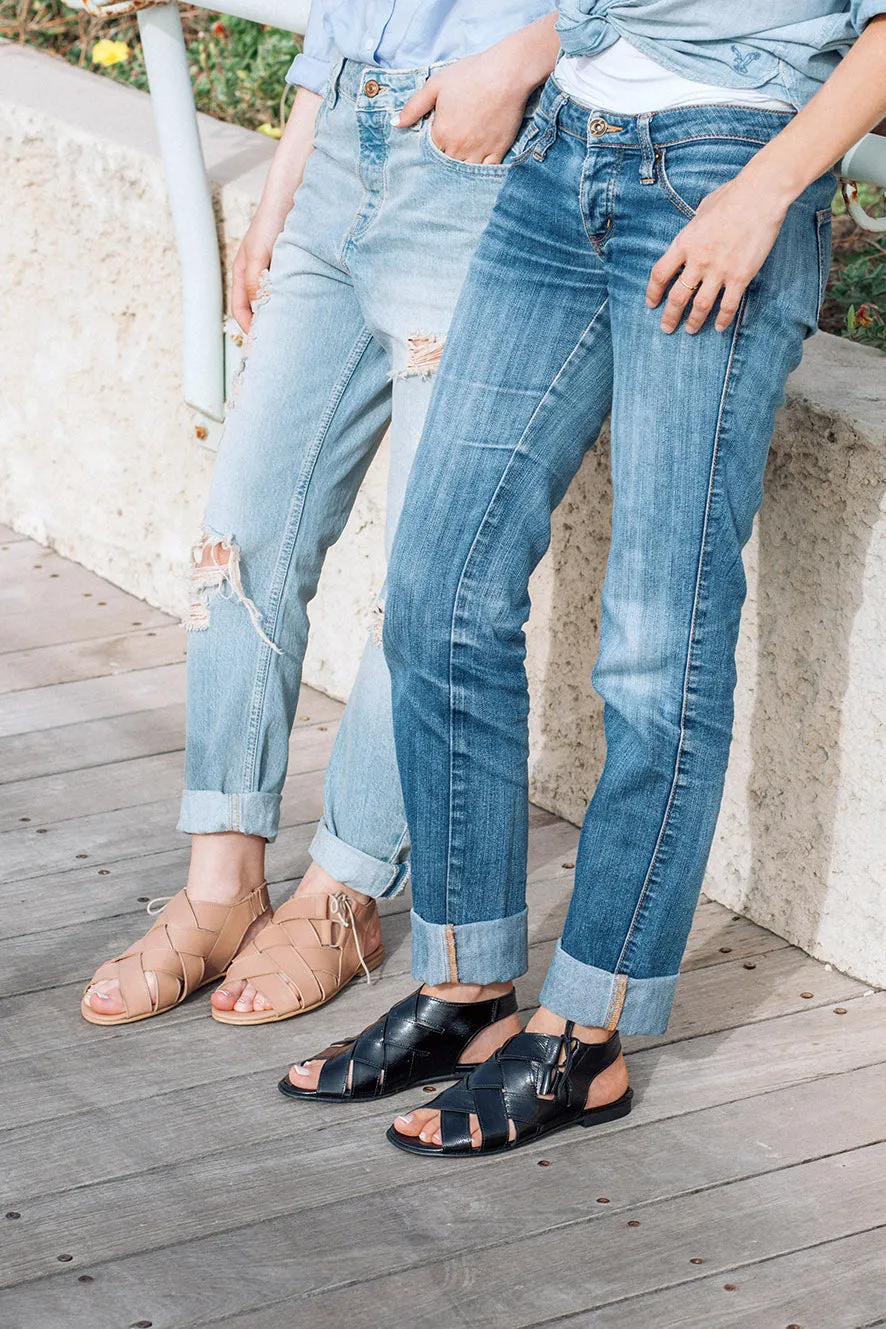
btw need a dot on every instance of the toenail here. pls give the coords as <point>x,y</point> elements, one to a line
<point>103,995</point>
<point>407,1119</point>
<point>223,992</point>
<point>301,1069</point>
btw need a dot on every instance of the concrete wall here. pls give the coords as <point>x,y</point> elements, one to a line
<point>98,458</point>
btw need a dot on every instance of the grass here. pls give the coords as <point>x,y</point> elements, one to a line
<point>239,69</point>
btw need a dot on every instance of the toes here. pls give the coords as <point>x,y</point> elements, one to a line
<point>260,1004</point>
<point>305,1075</point>
<point>413,1123</point>
<point>245,1001</point>
<point>225,997</point>
<point>104,998</point>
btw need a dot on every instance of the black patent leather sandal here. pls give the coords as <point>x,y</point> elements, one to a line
<point>419,1040</point>
<point>539,1082</point>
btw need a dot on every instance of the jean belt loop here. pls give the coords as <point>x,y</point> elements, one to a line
<point>647,159</point>
<point>335,73</point>
<point>550,134</point>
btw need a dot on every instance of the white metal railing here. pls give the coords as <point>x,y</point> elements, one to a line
<point>210,355</point>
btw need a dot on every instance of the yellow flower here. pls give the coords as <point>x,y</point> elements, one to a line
<point>107,52</point>
<point>272,131</point>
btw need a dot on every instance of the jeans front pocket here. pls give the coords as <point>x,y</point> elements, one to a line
<point>493,170</point>
<point>687,172</point>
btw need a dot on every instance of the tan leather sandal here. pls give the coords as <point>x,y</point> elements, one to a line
<point>304,957</point>
<point>191,944</point>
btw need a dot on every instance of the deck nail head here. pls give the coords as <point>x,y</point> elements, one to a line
<point>602,1199</point>
<point>725,950</point>
<point>544,1162</point>
<point>143,899</point>
<point>104,872</point>
<point>86,1278</point>
<point>141,1324</point>
<point>839,1010</point>
<point>24,818</point>
<point>736,918</point>
<point>43,831</point>
<point>807,995</point>
<point>633,1222</point>
<point>696,1259</point>
<point>13,1213</point>
<point>64,1259</point>
<point>81,855</point>
<point>567,865</point>
<point>429,1089</point>
<point>730,1287</point>
<point>749,964</point>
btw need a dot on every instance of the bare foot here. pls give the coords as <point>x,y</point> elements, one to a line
<point>608,1086</point>
<point>224,869</point>
<point>238,995</point>
<point>307,1076</point>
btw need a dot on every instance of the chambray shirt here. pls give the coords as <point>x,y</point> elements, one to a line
<point>788,47</point>
<point>406,34</point>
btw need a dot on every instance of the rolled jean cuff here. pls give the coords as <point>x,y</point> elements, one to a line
<point>205,812</point>
<point>354,868</point>
<point>591,996</point>
<point>493,952</point>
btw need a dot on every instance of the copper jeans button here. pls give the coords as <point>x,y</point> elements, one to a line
<point>372,88</point>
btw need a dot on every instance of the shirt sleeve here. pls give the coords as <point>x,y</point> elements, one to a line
<point>310,69</point>
<point>862,11</point>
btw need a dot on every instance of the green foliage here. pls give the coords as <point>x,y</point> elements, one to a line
<point>238,67</point>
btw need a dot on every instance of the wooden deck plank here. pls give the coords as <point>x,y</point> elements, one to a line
<point>77,747</point>
<point>91,699</point>
<point>72,662</point>
<point>414,1248</point>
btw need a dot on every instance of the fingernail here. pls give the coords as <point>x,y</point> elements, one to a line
<point>650,303</point>
<point>406,1120</point>
<point>397,121</point>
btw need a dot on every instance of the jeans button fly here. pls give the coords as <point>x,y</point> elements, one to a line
<point>598,126</point>
<point>371,88</point>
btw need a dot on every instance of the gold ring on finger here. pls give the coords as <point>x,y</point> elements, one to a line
<point>686,284</point>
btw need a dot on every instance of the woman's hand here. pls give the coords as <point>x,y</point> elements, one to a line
<point>253,258</point>
<point>717,255</point>
<point>479,102</point>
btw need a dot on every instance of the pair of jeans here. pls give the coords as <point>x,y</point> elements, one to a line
<point>347,330</point>
<point>552,332</point>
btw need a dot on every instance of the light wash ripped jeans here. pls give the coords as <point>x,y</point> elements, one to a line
<point>362,286</point>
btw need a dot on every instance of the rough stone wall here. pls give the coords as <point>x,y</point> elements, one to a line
<point>98,458</point>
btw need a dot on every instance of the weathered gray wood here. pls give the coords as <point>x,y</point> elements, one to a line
<point>77,747</point>
<point>415,1239</point>
<point>47,600</point>
<point>91,699</point>
<point>142,648</point>
<point>833,1285</point>
<point>109,837</point>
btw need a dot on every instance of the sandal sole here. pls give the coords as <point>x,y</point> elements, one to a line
<point>272,1017</point>
<point>592,1117</point>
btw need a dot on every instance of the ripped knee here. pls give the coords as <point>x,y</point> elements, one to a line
<point>215,569</point>
<point>423,352</point>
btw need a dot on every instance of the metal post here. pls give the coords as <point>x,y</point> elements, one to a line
<point>190,202</point>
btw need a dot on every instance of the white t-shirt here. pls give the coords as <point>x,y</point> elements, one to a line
<point>625,80</point>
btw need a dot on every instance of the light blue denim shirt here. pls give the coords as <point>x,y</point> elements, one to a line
<point>787,46</point>
<point>405,34</point>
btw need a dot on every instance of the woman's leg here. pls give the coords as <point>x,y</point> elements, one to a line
<point>308,416</point>
<point>692,420</point>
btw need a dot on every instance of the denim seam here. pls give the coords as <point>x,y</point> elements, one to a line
<point>690,645</point>
<point>595,240</point>
<point>470,554</point>
<point>668,189</point>
<point>287,548</point>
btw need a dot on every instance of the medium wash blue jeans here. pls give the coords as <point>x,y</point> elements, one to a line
<point>551,333</point>
<point>362,286</point>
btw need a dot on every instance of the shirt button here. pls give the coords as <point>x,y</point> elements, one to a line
<point>371,88</point>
